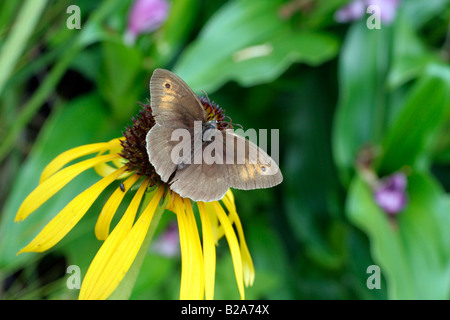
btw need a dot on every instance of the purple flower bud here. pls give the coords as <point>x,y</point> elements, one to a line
<point>145,16</point>
<point>167,244</point>
<point>391,194</point>
<point>388,9</point>
<point>397,181</point>
<point>353,11</point>
<point>356,9</point>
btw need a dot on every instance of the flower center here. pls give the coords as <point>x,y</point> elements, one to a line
<point>134,145</point>
<point>214,112</point>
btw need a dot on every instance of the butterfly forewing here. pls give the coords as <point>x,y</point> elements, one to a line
<point>173,103</point>
<point>159,148</point>
<point>174,106</point>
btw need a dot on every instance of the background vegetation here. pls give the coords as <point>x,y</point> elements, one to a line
<point>333,89</point>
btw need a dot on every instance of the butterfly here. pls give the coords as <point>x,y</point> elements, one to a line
<point>176,107</point>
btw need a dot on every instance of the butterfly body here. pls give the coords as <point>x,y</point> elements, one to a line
<point>217,159</point>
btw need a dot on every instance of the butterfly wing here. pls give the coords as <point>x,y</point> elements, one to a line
<point>174,106</point>
<point>159,149</point>
<point>242,165</point>
<point>173,103</point>
<point>247,166</point>
<point>200,182</point>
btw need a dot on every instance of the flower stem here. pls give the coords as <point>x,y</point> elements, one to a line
<point>86,36</point>
<point>18,38</point>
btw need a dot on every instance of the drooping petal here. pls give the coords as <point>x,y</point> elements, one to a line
<point>216,228</point>
<point>126,252</point>
<point>123,257</point>
<point>75,153</point>
<point>55,183</point>
<point>93,278</point>
<point>247,263</point>
<point>209,251</point>
<point>103,169</point>
<point>196,251</point>
<point>232,243</point>
<point>184,247</point>
<point>192,269</point>
<point>64,221</point>
<point>110,208</point>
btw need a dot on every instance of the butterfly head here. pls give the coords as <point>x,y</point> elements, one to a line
<point>211,124</point>
<point>216,115</point>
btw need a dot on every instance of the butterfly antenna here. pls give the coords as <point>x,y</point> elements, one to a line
<point>231,124</point>
<point>209,101</point>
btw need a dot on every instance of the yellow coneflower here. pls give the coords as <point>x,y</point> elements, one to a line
<point>124,162</point>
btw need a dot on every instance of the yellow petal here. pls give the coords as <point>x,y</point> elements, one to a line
<point>124,254</point>
<point>209,252</point>
<point>198,270</point>
<point>103,169</point>
<point>217,229</point>
<point>229,195</point>
<point>192,270</point>
<point>55,183</point>
<point>75,153</point>
<point>103,256</point>
<point>64,221</point>
<point>232,243</point>
<point>171,203</point>
<point>185,284</point>
<point>247,263</point>
<point>110,208</point>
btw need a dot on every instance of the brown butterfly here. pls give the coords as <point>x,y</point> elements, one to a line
<point>175,106</point>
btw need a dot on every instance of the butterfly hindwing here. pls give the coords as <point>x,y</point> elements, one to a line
<point>251,167</point>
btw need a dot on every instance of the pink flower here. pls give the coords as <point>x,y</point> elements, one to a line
<point>167,244</point>
<point>391,194</point>
<point>356,9</point>
<point>145,16</point>
<point>388,9</point>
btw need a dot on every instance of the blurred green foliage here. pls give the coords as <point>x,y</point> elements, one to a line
<point>332,89</point>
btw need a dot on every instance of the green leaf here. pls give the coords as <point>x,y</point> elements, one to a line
<point>175,31</point>
<point>413,253</point>
<point>18,38</point>
<point>311,198</point>
<point>84,37</point>
<point>121,80</point>
<point>410,138</point>
<point>88,122</point>
<point>409,55</point>
<point>251,45</point>
<point>420,11</point>
<point>360,112</point>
